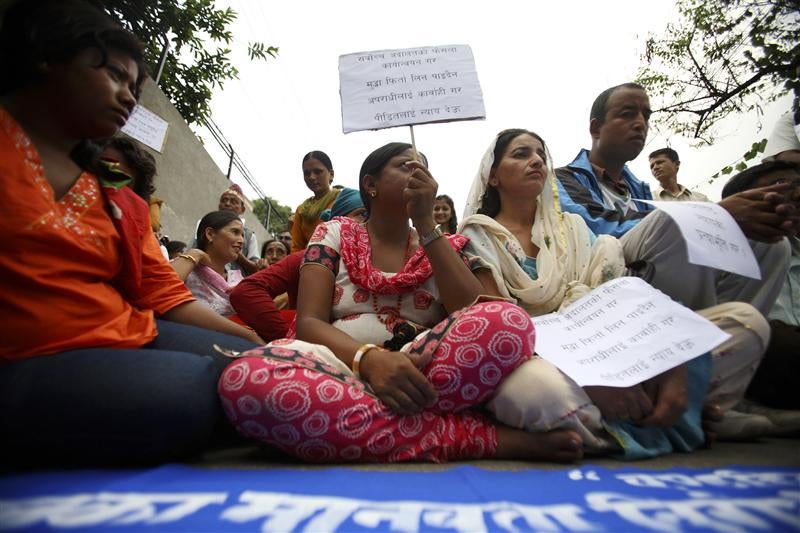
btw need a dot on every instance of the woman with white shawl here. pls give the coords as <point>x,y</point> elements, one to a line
<point>522,246</point>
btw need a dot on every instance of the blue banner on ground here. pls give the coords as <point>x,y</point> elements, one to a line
<point>176,498</point>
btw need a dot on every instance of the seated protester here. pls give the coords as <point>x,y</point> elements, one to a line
<point>599,187</point>
<point>318,175</point>
<point>107,358</point>
<point>128,159</point>
<point>220,237</point>
<point>444,214</point>
<point>273,251</point>
<point>523,247</point>
<point>778,377</point>
<point>233,200</point>
<point>334,395</point>
<point>259,297</point>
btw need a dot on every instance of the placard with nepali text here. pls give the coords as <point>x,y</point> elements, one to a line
<point>623,333</point>
<point>388,88</point>
<point>147,128</point>
<point>713,238</point>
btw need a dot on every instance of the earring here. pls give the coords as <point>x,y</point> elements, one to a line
<point>373,194</point>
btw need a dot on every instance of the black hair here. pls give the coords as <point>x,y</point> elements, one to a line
<point>264,247</point>
<point>601,102</point>
<point>669,152</point>
<point>373,165</point>
<point>490,201</point>
<point>744,180</point>
<point>142,163</point>
<point>215,220</point>
<point>174,248</point>
<point>322,157</point>
<point>452,224</point>
<point>37,32</point>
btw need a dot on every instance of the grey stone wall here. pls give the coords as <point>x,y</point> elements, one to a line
<point>188,179</point>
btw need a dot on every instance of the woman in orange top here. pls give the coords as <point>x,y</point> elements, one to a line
<point>106,356</point>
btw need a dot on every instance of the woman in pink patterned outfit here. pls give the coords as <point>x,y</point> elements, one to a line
<point>357,384</point>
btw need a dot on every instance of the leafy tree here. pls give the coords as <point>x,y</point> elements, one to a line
<point>199,58</point>
<point>278,217</point>
<point>723,57</point>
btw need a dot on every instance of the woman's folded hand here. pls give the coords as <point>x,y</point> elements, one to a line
<point>397,381</point>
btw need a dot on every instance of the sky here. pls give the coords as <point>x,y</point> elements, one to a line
<point>540,66</point>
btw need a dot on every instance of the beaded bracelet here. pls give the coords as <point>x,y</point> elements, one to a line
<point>359,355</point>
<point>189,257</point>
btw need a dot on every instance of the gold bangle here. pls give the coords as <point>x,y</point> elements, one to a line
<point>360,353</point>
<point>189,257</point>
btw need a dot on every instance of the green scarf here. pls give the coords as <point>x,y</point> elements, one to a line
<point>310,209</point>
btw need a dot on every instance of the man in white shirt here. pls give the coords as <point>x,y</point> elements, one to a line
<point>664,165</point>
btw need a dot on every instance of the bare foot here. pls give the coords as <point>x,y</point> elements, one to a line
<point>558,445</point>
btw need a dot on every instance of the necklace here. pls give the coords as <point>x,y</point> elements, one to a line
<point>388,315</point>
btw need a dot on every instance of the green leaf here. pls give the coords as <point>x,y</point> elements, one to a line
<point>199,34</point>
<point>720,58</point>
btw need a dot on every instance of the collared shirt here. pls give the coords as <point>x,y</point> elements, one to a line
<point>787,306</point>
<point>685,195</point>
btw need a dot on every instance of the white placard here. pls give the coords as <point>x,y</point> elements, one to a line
<point>388,88</point>
<point>147,127</point>
<point>623,333</point>
<point>713,238</point>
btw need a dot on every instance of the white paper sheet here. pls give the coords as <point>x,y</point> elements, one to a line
<point>388,88</point>
<point>623,333</point>
<point>147,127</point>
<point>713,238</point>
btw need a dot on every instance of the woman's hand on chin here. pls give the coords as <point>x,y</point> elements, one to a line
<point>397,381</point>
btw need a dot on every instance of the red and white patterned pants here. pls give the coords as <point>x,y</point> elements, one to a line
<point>315,412</point>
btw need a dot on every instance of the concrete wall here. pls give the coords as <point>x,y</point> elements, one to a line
<point>188,180</point>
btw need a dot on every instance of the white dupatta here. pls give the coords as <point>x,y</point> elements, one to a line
<point>568,265</point>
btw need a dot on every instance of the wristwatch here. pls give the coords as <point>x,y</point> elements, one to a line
<point>425,240</point>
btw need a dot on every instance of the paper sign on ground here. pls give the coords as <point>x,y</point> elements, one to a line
<point>623,333</point>
<point>147,127</point>
<point>388,88</point>
<point>713,238</point>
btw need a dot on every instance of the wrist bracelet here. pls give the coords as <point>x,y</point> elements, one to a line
<point>425,240</point>
<point>359,355</point>
<point>189,257</point>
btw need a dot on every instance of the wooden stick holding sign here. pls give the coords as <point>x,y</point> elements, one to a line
<point>389,88</point>
<point>414,144</point>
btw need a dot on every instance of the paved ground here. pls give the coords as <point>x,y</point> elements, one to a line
<point>765,452</point>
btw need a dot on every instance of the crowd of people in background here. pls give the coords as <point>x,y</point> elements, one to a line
<point>376,327</point>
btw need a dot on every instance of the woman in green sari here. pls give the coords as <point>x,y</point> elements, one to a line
<point>318,175</point>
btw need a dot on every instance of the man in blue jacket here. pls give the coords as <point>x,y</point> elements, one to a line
<point>598,186</point>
